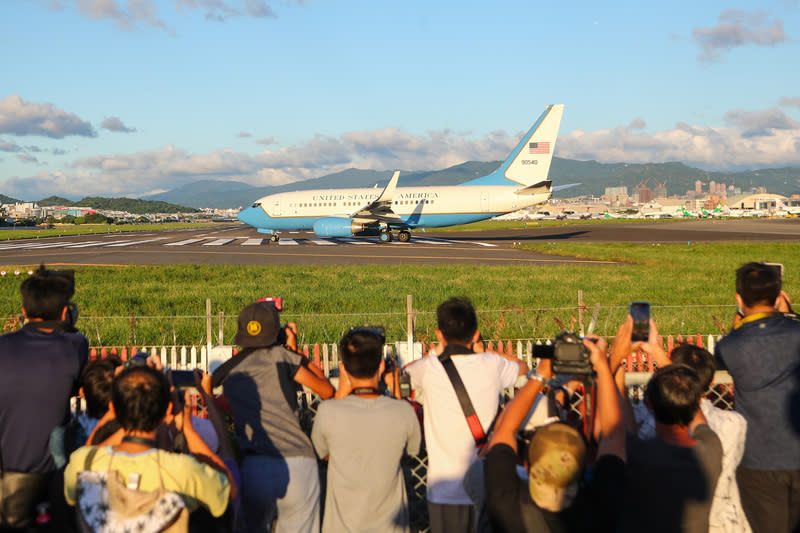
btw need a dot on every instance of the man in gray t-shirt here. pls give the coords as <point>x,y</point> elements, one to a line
<point>364,435</point>
<point>279,467</point>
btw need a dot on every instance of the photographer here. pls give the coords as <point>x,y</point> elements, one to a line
<point>39,370</point>
<point>762,354</point>
<point>141,400</point>
<point>554,497</point>
<point>450,441</point>
<point>279,468</point>
<point>364,434</point>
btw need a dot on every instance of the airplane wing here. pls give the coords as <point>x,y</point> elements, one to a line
<point>537,188</point>
<point>380,210</point>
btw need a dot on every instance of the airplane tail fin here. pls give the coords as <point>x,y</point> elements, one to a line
<point>529,163</point>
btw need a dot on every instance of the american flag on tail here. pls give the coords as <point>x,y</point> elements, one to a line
<point>539,148</point>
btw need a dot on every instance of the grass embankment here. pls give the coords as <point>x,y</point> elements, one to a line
<point>690,287</point>
<point>525,224</point>
<point>95,229</point>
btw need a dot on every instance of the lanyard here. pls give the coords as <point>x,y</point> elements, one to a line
<point>133,439</point>
<point>365,390</point>
<point>757,316</point>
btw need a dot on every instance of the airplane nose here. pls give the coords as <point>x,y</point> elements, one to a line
<point>254,216</point>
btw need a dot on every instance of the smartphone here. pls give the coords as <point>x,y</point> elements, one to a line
<point>183,379</point>
<point>777,267</point>
<point>640,312</point>
<point>277,301</point>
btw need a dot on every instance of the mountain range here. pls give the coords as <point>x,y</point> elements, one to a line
<point>593,177</point>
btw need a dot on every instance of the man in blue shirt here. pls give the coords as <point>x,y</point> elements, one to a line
<point>762,354</point>
<point>39,369</point>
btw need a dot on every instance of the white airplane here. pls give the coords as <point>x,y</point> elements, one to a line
<point>787,209</point>
<point>521,181</point>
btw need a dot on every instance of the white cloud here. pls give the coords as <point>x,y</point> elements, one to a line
<point>267,141</point>
<point>790,101</point>
<point>20,117</point>
<point>126,15</point>
<point>27,158</point>
<point>221,10</point>
<point>115,124</point>
<point>757,139</point>
<point>244,134</point>
<point>734,146</point>
<point>9,147</point>
<point>736,28</point>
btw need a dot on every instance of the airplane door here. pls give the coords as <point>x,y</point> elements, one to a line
<point>276,208</point>
<point>485,201</point>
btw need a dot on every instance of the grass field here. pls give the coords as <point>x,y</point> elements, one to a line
<point>690,287</point>
<point>94,229</point>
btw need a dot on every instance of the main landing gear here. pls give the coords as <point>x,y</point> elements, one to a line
<point>385,236</point>
<point>274,237</point>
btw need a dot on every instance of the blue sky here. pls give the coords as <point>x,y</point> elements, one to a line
<point>131,97</point>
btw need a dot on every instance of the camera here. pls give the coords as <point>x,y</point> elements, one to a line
<point>568,353</point>
<point>182,379</point>
<point>277,301</point>
<point>140,359</point>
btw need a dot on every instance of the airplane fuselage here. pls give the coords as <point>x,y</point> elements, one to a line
<point>519,182</point>
<point>417,207</point>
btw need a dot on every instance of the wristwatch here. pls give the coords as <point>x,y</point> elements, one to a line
<point>533,374</point>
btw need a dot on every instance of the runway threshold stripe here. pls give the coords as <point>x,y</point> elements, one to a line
<point>253,242</point>
<point>90,244</point>
<point>428,241</point>
<point>323,242</point>
<point>183,243</point>
<point>288,242</point>
<point>134,243</point>
<point>357,241</point>
<point>219,242</point>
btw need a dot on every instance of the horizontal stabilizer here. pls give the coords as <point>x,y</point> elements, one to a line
<point>565,186</point>
<point>543,187</point>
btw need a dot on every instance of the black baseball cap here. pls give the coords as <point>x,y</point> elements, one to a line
<point>259,325</point>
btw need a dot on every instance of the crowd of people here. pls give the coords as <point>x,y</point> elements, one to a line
<point>138,460</point>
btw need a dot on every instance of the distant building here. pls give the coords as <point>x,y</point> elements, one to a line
<point>616,195</point>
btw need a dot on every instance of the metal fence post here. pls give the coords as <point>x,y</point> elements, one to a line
<point>221,328</point>
<point>208,323</point>
<point>410,325</point>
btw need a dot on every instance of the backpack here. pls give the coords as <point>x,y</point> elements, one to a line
<point>105,504</point>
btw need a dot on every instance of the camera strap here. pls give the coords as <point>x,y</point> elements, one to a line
<point>461,392</point>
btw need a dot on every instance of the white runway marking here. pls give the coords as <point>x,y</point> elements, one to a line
<point>183,243</point>
<point>323,242</point>
<point>134,243</point>
<point>90,244</point>
<point>219,242</point>
<point>288,242</point>
<point>356,241</point>
<point>253,242</point>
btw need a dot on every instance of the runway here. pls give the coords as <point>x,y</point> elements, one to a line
<point>240,245</point>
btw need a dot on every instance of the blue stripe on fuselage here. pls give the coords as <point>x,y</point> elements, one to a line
<point>256,217</point>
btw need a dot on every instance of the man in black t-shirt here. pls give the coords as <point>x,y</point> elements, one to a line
<point>555,498</point>
<point>39,369</point>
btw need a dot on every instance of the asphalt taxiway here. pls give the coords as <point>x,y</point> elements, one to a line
<point>240,245</point>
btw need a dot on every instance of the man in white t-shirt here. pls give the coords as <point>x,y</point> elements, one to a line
<point>449,440</point>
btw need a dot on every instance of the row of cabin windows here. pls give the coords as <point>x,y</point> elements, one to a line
<point>355,204</point>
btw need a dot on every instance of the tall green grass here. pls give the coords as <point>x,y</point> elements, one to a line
<point>691,289</point>
<point>95,229</point>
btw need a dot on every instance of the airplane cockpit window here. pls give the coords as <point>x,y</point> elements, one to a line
<point>257,204</point>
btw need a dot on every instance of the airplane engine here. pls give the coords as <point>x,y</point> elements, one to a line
<point>336,227</point>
